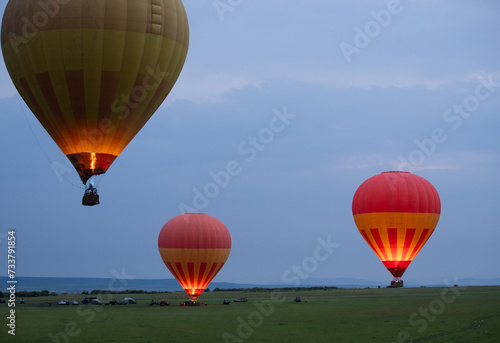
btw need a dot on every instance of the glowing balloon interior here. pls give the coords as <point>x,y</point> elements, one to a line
<point>396,213</point>
<point>194,247</point>
<point>94,72</point>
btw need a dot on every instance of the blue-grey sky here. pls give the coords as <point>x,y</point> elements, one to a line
<point>302,101</point>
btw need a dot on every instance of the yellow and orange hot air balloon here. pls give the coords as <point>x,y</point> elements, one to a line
<point>94,72</point>
<point>396,213</point>
<point>194,247</point>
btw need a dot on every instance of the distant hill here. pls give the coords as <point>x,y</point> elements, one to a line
<point>359,283</point>
<point>78,285</point>
<point>472,282</point>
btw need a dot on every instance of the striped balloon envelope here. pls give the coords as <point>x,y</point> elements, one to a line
<point>93,72</point>
<point>396,213</point>
<point>194,247</point>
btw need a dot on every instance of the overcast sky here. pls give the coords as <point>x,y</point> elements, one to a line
<point>302,101</point>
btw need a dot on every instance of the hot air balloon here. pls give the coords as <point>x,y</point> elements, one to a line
<point>396,213</point>
<point>94,72</point>
<point>194,247</point>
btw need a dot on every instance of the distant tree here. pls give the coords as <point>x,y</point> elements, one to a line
<point>44,293</point>
<point>85,292</point>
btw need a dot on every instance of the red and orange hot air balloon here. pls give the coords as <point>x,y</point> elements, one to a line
<point>396,213</point>
<point>194,247</point>
<point>93,72</point>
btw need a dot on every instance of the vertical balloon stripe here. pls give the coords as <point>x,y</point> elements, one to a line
<point>174,269</point>
<point>205,280</point>
<point>132,119</point>
<point>58,121</point>
<point>378,240</point>
<point>190,267</point>
<point>424,236</point>
<point>180,273</point>
<point>35,107</point>
<point>109,85</point>
<point>407,239</point>
<point>200,280</point>
<point>174,272</point>
<point>76,90</point>
<point>193,273</point>
<point>392,234</point>
<point>195,277</point>
<point>410,233</point>
<point>371,244</point>
<point>47,89</point>
<point>218,267</point>
<point>156,99</point>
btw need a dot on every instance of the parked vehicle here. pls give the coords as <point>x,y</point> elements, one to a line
<point>240,300</point>
<point>88,300</point>
<point>226,302</point>
<point>297,300</point>
<point>129,300</point>
<point>63,302</point>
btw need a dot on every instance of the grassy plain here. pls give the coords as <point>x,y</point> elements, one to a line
<point>455,314</point>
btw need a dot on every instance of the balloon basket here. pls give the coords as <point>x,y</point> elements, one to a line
<point>397,283</point>
<point>90,197</point>
<point>191,303</point>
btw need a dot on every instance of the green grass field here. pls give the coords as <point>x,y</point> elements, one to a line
<point>455,314</point>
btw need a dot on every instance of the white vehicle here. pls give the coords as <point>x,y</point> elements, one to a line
<point>129,300</point>
<point>63,302</point>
